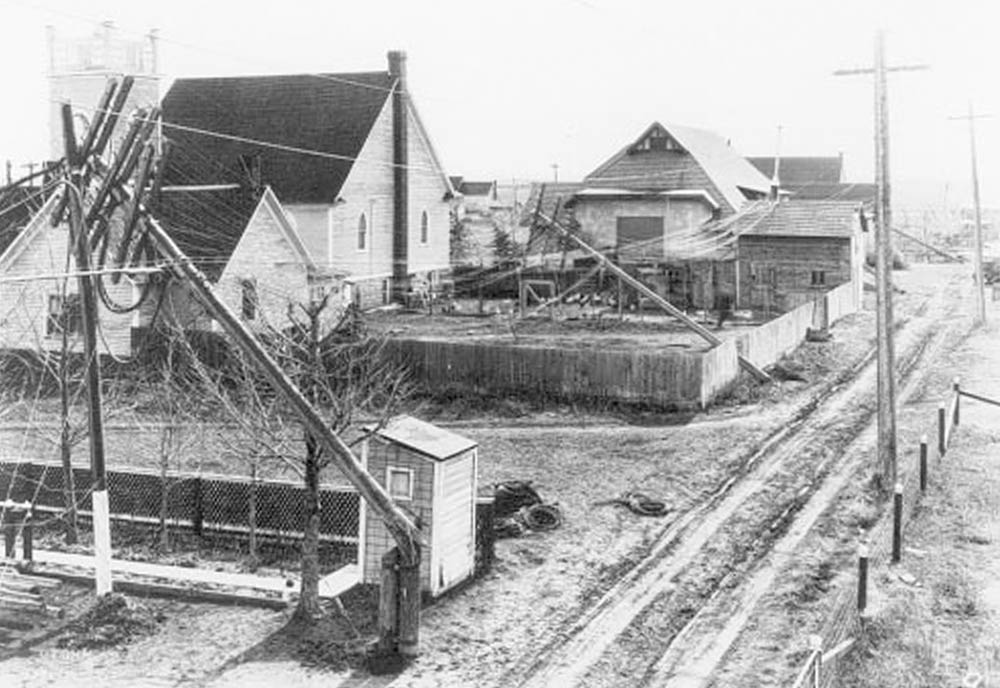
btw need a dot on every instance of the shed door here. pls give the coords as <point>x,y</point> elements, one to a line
<point>456,535</point>
<point>640,237</point>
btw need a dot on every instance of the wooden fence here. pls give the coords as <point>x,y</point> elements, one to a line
<point>203,504</point>
<point>765,344</point>
<point>845,623</point>
<point>662,378</point>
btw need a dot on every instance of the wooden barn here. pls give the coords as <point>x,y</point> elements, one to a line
<point>430,473</point>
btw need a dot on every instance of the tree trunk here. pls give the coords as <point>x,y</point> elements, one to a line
<point>254,560</point>
<point>65,448</point>
<point>309,607</point>
<point>166,441</point>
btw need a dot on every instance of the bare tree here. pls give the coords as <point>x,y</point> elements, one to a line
<point>343,371</point>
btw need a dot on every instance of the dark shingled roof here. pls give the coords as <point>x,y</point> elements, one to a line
<point>331,113</point>
<point>207,225</point>
<point>797,170</point>
<point>794,218</point>
<point>861,193</point>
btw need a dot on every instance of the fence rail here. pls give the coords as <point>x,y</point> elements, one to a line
<point>844,625</point>
<point>203,504</point>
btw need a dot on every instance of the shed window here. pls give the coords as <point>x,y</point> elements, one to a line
<point>362,232</point>
<point>818,278</point>
<point>399,482</point>
<point>423,227</point>
<point>249,300</point>
<point>64,313</point>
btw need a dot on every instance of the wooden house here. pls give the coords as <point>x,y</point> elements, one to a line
<point>789,252</point>
<point>241,239</point>
<point>431,473</point>
<point>346,154</point>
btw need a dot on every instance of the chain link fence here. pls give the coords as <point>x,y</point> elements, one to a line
<point>195,517</point>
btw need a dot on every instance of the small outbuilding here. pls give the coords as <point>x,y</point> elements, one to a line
<point>431,474</point>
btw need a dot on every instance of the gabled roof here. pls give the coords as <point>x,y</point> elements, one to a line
<point>207,225</point>
<point>329,113</point>
<point>798,219</point>
<point>796,170</point>
<point>847,191</point>
<point>427,439</point>
<point>697,159</point>
<point>17,206</point>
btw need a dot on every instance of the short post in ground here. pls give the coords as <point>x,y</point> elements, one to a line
<point>388,610</point>
<point>942,429</point>
<point>408,592</point>
<point>862,577</point>
<point>958,399</point>
<point>897,523</point>
<point>923,463</point>
<point>816,645</point>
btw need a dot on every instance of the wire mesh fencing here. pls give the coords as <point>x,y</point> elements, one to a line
<point>161,516</point>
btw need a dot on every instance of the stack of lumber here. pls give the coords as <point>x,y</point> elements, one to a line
<point>21,592</point>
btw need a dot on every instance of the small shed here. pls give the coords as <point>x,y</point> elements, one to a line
<point>431,474</point>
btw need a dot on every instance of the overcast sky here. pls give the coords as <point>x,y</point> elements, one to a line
<point>507,89</point>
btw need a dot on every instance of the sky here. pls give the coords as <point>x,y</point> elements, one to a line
<point>509,89</point>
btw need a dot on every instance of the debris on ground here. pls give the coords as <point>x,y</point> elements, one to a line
<point>639,504</point>
<point>114,620</point>
<point>818,334</point>
<point>519,508</point>
<point>788,371</point>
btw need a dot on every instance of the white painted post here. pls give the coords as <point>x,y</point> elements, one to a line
<point>102,541</point>
<point>816,644</point>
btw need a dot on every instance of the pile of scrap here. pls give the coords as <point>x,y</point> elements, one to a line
<point>519,508</point>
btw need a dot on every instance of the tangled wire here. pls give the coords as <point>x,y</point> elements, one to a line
<point>639,504</point>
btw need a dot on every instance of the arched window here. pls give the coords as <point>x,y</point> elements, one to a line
<point>362,233</point>
<point>423,228</point>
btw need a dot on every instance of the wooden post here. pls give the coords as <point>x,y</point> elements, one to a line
<point>408,591</point>
<point>816,645</point>
<point>10,533</point>
<point>958,400</point>
<point>28,535</point>
<point>862,577</point>
<point>897,523</point>
<point>88,298</point>
<point>923,464</point>
<point>942,429</point>
<point>388,607</point>
<point>198,518</point>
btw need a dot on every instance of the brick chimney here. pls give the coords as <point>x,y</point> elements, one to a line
<point>400,177</point>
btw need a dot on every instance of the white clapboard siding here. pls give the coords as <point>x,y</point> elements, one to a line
<point>455,522</point>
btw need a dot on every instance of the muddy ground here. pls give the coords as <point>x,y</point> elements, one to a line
<point>541,582</point>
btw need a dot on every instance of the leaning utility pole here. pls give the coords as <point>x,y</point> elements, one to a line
<point>978,255</point>
<point>80,244</point>
<point>886,392</point>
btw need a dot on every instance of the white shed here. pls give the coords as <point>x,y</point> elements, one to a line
<point>431,473</point>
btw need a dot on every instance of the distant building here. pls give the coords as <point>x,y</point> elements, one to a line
<point>78,71</point>
<point>814,178</point>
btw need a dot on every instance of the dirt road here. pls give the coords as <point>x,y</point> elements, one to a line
<point>626,638</point>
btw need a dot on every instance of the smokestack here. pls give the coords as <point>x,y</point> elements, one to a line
<point>775,179</point>
<point>400,177</point>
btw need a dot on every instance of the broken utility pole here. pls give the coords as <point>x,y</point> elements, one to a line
<point>886,393</point>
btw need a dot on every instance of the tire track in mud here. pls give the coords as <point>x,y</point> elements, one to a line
<point>701,645</point>
<point>566,660</point>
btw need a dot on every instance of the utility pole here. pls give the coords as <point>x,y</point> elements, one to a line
<point>80,244</point>
<point>555,172</point>
<point>886,392</point>
<point>978,256</point>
